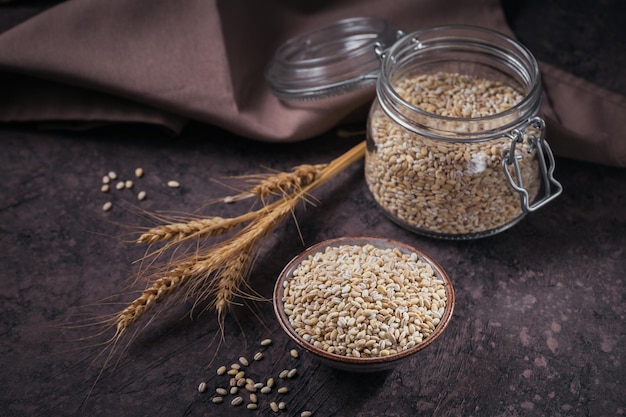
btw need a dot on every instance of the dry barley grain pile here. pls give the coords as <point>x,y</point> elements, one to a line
<point>364,301</point>
<point>447,187</point>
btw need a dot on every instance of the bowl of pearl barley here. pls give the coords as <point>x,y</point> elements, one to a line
<point>363,303</point>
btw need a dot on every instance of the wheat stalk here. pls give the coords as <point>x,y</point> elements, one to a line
<point>219,270</point>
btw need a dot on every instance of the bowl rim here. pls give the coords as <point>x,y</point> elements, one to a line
<point>379,242</point>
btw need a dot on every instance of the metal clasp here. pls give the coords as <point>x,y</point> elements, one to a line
<point>552,188</point>
<point>380,49</point>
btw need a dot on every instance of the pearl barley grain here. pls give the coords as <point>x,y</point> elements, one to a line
<point>173,184</point>
<point>376,302</point>
<point>446,186</point>
<point>107,206</point>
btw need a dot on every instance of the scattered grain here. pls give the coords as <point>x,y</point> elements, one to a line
<point>258,356</point>
<point>107,206</point>
<point>252,406</point>
<point>283,390</point>
<point>141,195</point>
<point>202,387</point>
<point>274,406</point>
<point>244,361</point>
<point>294,353</point>
<point>235,366</point>
<point>237,401</point>
<point>283,374</point>
<point>120,185</point>
<point>221,370</point>
<point>234,390</point>
<point>138,172</point>
<point>106,179</point>
<point>221,391</point>
<point>173,184</point>
<point>105,188</point>
<point>266,342</point>
<point>112,175</point>
<point>128,184</point>
<point>266,390</point>
<point>306,414</point>
<point>217,400</point>
<point>282,405</point>
<point>270,382</point>
<point>292,373</point>
<point>253,397</point>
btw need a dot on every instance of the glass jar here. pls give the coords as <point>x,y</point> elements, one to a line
<point>455,144</point>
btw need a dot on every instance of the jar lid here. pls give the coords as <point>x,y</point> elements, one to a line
<point>332,60</point>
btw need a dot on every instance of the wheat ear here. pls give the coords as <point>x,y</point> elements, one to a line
<point>160,289</point>
<point>286,182</point>
<point>278,184</point>
<point>175,232</point>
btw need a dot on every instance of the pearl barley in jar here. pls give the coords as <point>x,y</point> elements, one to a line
<point>455,146</point>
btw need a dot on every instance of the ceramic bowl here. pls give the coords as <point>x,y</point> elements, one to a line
<point>353,363</point>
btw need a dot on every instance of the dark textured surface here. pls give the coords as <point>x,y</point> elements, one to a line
<point>538,328</point>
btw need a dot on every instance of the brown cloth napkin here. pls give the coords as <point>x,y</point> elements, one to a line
<point>165,62</point>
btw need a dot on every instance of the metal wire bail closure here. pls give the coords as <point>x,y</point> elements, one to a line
<point>552,188</point>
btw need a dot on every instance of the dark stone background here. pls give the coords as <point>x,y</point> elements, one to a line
<point>539,325</point>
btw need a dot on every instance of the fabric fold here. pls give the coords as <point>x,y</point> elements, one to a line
<point>585,121</point>
<point>164,63</point>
